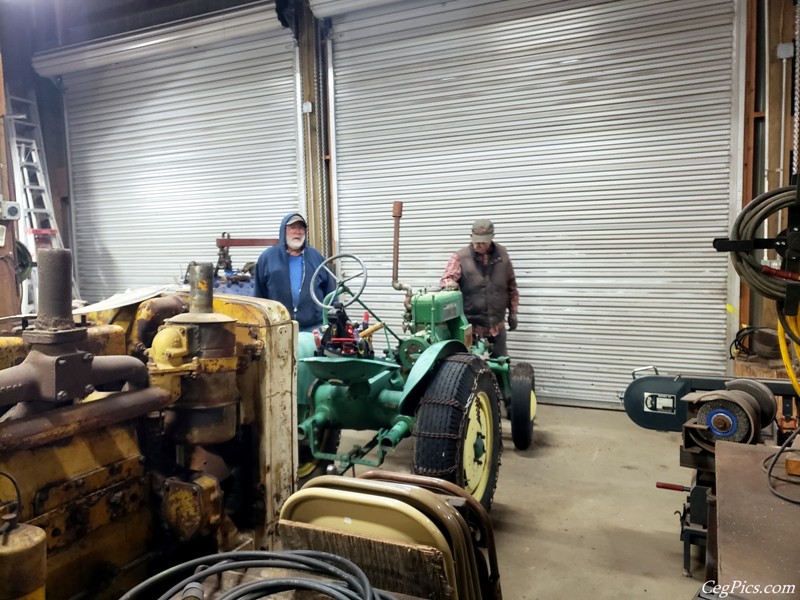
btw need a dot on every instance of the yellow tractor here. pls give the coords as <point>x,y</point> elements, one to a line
<point>152,430</point>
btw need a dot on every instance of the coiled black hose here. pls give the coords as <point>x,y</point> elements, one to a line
<point>351,582</point>
<point>746,227</point>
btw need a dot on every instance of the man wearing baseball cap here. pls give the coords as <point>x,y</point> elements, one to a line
<point>485,275</point>
<point>283,273</point>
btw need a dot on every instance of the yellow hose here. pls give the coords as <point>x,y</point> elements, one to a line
<point>786,354</point>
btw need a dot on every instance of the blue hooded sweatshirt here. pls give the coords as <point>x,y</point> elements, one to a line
<point>273,280</point>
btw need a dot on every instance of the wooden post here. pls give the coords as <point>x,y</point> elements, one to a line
<point>9,290</point>
<point>318,213</point>
<point>749,134</point>
<point>780,30</point>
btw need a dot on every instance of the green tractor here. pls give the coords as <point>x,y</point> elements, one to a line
<point>434,385</point>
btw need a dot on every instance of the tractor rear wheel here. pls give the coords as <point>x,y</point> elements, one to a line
<point>523,405</point>
<point>457,435</point>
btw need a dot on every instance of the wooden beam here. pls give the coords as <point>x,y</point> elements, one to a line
<point>749,134</point>
<point>779,15</point>
<point>9,290</point>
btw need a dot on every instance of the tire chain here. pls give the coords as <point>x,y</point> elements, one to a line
<point>441,400</point>
<point>437,473</point>
<point>469,360</point>
<point>445,401</point>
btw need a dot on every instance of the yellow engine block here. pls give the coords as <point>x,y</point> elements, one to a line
<point>144,426</point>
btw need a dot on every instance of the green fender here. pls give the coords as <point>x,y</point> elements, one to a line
<point>417,378</point>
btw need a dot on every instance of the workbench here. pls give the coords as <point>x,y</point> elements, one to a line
<point>758,534</point>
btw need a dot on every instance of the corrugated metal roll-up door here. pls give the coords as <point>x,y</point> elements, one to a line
<point>597,135</point>
<point>177,135</point>
<point>329,8</point>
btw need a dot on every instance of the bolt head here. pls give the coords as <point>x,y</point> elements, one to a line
<point>722,423</point>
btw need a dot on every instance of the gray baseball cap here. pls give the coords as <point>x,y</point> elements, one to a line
<point>482,230</point>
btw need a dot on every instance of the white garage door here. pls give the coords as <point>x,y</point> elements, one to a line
<point>597,135</point>
<point>175,136</point>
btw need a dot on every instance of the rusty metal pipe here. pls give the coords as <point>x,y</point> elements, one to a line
<point>201,284</point>
<point>18,384</point>
<point>108,369</point>
<point>55,289</point>
<point>397,214</point>
<point>55,425</point>
<point>24,383</point>
<point>150,315</point>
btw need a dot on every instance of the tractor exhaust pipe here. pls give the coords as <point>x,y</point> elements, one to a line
<point>397,214</point>
<point>201,294</point>
<point>55,290</point>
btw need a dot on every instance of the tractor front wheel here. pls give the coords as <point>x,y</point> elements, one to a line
<point>308,466</point>
<point>523,405</point>
<point>457,435</point>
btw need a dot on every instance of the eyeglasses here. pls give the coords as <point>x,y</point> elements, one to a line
<point>296,227</point>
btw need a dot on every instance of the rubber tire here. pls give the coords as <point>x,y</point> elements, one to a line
<point>463,383</point>
<point>522,384</point>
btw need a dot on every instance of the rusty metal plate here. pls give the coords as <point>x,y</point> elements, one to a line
<point>12,351</point>
<point>60,493</point>
<point>104,340</point>
<point>71,522</point>
<point>81,454</point>
<point>191,508</point>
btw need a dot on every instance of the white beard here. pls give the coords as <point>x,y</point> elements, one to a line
<point>296,244</point>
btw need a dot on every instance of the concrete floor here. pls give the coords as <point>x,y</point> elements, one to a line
<point>578,515</point>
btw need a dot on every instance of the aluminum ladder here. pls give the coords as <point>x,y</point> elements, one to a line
<point>37,227</point>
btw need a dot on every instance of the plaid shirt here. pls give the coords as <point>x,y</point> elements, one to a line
<point>451,277</point>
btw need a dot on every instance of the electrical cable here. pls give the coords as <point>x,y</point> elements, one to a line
<point>275,586</point>
<point>318,567</point>
<point>795,334</point>
<point>787,357</point>
<point>771,285</point>
<point>351,584</point>
<point>742,342</point>
<point>790,331</point>
<point>745,228</point>
<point>18,506</point>
<point>787,478</point>
<point>775,457</point>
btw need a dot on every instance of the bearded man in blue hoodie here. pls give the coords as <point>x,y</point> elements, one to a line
<point>283,273</point>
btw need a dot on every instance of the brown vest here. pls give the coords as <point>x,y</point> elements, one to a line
<point>485,287</point>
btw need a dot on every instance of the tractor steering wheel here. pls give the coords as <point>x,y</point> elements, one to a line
<point>341,283</point>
